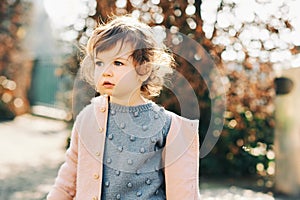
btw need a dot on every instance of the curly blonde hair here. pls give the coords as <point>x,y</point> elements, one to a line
<point>148,54</point>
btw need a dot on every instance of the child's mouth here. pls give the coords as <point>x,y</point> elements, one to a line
<point>107,84</point>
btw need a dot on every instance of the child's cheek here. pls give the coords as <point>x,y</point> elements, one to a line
<point>97,76</point>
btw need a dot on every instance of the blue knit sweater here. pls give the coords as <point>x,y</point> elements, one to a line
<point>133,150</point>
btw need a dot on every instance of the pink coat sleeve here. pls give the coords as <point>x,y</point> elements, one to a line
<point>65,183</point>
<point>181,160</point>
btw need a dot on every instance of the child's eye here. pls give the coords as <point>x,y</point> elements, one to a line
<point>99,63</point>
<point>118,63</point>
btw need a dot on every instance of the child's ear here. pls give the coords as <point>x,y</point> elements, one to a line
<point>143,78</point>
<point>144,72</point>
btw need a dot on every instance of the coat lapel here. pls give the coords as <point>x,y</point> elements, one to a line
<point>93,127</point>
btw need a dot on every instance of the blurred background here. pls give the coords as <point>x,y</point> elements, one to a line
<point>253,45</point>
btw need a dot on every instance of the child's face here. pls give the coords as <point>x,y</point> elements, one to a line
<point>115,74</point>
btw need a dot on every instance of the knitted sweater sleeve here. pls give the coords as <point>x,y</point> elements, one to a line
<point>65,183</point>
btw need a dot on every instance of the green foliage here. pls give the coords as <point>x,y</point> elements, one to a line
<point>244,148</point>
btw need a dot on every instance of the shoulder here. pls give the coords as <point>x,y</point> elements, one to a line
<point>161,113</point>
<point>179,121</point>
<point>176,120</point>
<point>87,112</point>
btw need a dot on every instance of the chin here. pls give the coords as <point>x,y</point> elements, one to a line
<point>107,93</point>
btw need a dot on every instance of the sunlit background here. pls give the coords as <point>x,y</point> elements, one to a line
<point>250,19</point>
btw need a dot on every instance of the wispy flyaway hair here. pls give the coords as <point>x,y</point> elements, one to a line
<point>148,54</point>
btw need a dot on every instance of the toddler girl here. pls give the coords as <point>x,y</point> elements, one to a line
<point>123,145</point>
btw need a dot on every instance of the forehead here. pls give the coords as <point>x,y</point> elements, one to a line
<point>117,49</point>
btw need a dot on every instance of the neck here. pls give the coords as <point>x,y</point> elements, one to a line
<point>132,101</point>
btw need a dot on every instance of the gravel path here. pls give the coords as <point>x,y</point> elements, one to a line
<point>32,149</point>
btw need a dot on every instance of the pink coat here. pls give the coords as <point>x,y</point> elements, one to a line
<point>80,177</point>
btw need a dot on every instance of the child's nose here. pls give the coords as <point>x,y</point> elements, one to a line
<point>108,71</point>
